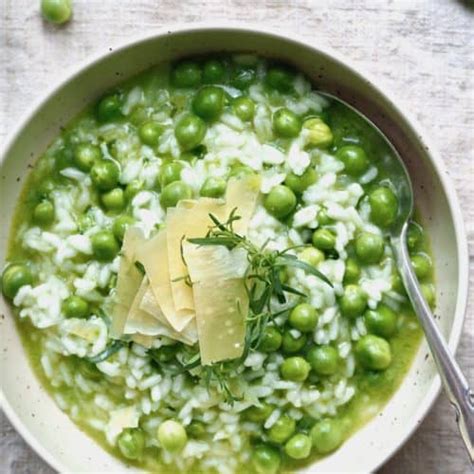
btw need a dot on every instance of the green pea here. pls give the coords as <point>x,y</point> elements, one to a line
<point>414,236</point>
<point>298,446</point>
<point>381,321</point>
<point>104,246</point>
<point>132,189</point>
<point>271,340</point>
<point>213,187</point>
<point>323,218</point>
<point>259,413</point>
<point>131,443</point>
<point>286,123</point>
<point>172,436</point>
<point>299,184</point>
<point>369,247</point>
<point>196,429</point>
<point>105,175</point>
<point>14,277</point>
<point>291,344</point>
<point>326,435</point>
<point>324,239</point>
<point>43,213</point>
<point>75,307</point>
<point>109,108</point>
<point>150,132</point>
<point>190,131</point>
<point>113,200</point>
<point>170,172</point>
<point>188,156</point>
<point>244,108</point>
<point>397,283</point>
<point>138,115</point>
<point>85,222</point>
<point>282,429</point>
<point>46,187</point>
<point>383,206</point>
<point>186,74</point>
<point>266,459</point>
<point>85,155</point>
<point>318,133</point>
<point>213,71</point>
<point>280,201</point>
<point>421,265</point>
<point>429,294</point>
<point>312,256</point>
<point>354,158</point>
<point>280,79</point>
<point>295,369</point>
<point>120,226</point>
<point>63,158</point>
<point>352,272</point>
<point>324,360</point>
<point>240,171</point>
<point>56,11</point>
<point>303,317</point>
<point>174,192</point>
<point>373,352</point>
<point>209,103</point>
<point>353,302</point>
<point>243,77</point>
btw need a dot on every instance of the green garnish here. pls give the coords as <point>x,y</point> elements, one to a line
<point>263,283</point>
<point>111,349</point>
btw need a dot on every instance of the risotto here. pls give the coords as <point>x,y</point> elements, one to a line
<point>201,274</point>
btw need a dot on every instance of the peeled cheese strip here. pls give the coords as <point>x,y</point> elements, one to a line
<point>212,262</point>
<point>242,193</point>
<point>139,321</point>
<point>129,279</point>
<point>220,299</point>
<point>187,222</point>
<point>144,323</point>
<point>189,333</point>
<point>221,311</point>
<point>145,341</point>
<point>153,255</point>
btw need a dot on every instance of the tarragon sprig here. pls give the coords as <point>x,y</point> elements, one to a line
<point>263,282</point>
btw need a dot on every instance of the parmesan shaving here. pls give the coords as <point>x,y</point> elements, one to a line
<point>128,280</point>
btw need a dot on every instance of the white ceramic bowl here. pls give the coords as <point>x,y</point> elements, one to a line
<point>28,406</point>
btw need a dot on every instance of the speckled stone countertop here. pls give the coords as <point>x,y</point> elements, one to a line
<point>422,49</point>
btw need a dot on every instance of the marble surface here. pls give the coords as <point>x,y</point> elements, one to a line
<point>422,49</point>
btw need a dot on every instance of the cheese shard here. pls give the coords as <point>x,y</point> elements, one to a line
<point>220,299</point>
<point>213,262</point>
<point>186,222</point>
<point>242,193</point>
<point>139,321</point>
<point>145,341</point>
<point>119,420</point>
<point>153,255</point>
<point>149,304</point>
<point>129,279</point>
<point>221,311</point>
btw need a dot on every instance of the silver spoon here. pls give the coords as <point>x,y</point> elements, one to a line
<point>455,384</point>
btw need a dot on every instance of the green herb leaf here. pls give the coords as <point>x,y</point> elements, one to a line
<point>292,261</point>
<point>111,349</point>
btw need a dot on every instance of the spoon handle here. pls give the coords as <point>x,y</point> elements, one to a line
<point>455,384</point>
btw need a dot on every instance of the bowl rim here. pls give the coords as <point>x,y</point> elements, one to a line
<point>388,96</point>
